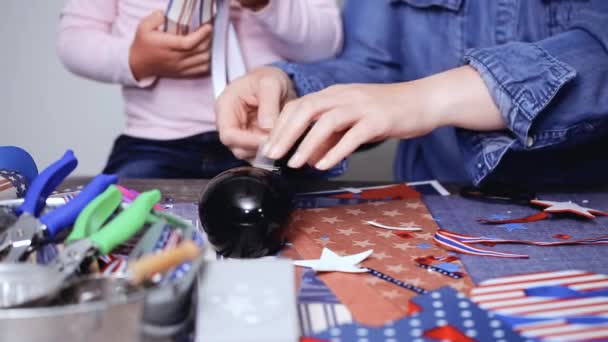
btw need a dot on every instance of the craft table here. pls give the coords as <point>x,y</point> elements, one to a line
<point>454,213</point>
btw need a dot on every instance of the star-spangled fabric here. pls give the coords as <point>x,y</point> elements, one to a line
<point>443,314</point>
<point>12,185</point>
<point>460,215</point>
<point>553,306</point>
<point>344,230</point>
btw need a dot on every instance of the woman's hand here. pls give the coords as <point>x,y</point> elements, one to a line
<point>344,117</point>
<point>158,54</point>
<point>248,108</point>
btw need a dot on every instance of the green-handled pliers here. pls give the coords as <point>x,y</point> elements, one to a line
<point>93,236</point>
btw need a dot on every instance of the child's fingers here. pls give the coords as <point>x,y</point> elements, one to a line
<point>196,71</point>
<point>192,40</point>
<point>152,22</point>
<point>269,99</point>
<point>194,61</point>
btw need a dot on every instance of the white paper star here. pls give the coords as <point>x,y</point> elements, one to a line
<point>332,262</point>
<point>571,207</point>
<point>428,217</point>
<point>317,210</point>
<point>396,268</point>
<point>355,212</point>
<point>425,236</point>
<point>377,204</point>
<point>391,213</point>
<point>364,243</point>
<point>331,220</point>
<point>347,232</point>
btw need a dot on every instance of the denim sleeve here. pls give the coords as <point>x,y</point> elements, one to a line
<point>368,55</point>
<point>551,93</point>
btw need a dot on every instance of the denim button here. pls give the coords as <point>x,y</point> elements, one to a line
<point>530,142</point>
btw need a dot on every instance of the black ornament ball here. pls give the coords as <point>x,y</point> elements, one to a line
<point>245,211</point>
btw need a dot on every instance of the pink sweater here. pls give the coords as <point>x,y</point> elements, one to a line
<point>95,37</point>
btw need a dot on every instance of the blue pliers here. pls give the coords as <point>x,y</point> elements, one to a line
<point>31,229</point>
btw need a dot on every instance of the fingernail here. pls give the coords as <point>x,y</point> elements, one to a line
<point>265,148</point>
<point>274,153</point>
<point>266,123</point>
<point>322,164</point>
<point>296,161</point>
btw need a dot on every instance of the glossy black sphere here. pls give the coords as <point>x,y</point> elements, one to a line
<point>244,212</point>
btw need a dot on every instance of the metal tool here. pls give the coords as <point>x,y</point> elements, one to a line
<point>83,243</point>
<point>18,238</point>
<point>51,225</point>
<point>149,240</point>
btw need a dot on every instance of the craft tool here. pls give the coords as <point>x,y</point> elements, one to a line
<point>88,239</point>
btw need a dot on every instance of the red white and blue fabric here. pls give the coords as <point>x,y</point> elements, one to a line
<point>318,307</point>
<point>566,305</point>
<point>441,315</point>
<point>12,185</point>
<point>463,243</point>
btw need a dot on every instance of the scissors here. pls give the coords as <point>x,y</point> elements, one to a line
<point>31,231</point>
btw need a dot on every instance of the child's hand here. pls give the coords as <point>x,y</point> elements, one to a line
<point>254,5</point>
<point>160,54</point>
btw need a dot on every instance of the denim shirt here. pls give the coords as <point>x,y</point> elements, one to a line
<point>545,63</point>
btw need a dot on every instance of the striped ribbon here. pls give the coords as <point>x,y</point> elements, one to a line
<point>462,243</point>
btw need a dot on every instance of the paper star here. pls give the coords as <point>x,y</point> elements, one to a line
<point>510,227</point>
<point>416,281</point>
<point>424,245</point>
<point>310,230</point>
<point>331,220</point>
<point>364,243</point>
<point>391,213</point>
<point>347,232</point>
<point>414,205</point>
<point>332,262</point>
<point>446,266</point>
<point>381,256</point>
<point>317,210</point>
<point>396,268</point>
<point>402,246</point>
<point>392,294</point>
<point>571,207</point>
<point>377,204</point>
<point>355,212</point>
<point>385,233</point>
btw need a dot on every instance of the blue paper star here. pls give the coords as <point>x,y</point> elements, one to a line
<point>325,238</point>
<point>446,266</point>
<point>424,245</point>
<point>510,227</point>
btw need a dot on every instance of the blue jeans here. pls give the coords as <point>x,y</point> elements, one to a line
<point>198,156</point>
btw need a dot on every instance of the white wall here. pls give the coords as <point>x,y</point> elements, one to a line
<point>46,110</point>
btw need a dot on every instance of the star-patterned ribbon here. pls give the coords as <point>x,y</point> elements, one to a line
<point>463,243</point>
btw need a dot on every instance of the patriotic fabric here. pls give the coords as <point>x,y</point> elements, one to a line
<point>552,306</point>
<point>185,16</point>
<point>442,315</point>
<point>371,300</point>
<point>463,243</point>
<point>458,214</point>
<point>319,309</point>
<point>12,185</point>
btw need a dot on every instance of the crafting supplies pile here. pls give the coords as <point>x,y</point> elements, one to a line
<point>102,243</point>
